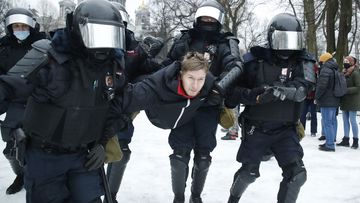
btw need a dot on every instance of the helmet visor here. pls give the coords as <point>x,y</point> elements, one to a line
<point>210,12</point>
<point>20,18</point>
<point>287,40</point>
<point>96,35</point>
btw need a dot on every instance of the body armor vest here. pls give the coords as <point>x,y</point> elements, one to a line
<point>76,119</point>
<point>282,111</point>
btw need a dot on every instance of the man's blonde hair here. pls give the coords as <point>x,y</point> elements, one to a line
<point>194,61</point>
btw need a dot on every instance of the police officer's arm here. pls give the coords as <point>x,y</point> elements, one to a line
<point>229,54</point>
<point>149,64</point>
<point>301,83</point>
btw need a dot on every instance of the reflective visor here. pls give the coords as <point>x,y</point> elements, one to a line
<point>287,40</point>
<point>102,36</point>
<point>211,12</point>
<point>19,18</point>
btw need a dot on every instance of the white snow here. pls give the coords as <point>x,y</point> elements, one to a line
<point>333,177</point>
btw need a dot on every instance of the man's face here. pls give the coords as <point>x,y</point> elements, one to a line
<point>193,81</point>
<point>20,27</point>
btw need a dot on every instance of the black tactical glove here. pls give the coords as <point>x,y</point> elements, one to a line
<point>155,44</point>
<point>254,92</point>
<point>266,97</point>
<point>214,97</point>
<point>95,158</point>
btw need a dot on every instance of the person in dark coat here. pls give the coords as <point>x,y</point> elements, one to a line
<point>326,100</point>
<point>21,31</point>
<point>172,96</point>
<point>349,103</point>
<point>70,82</point>
<point>276,80</point>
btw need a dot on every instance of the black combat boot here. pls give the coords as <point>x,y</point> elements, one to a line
<point>179,174</point>
<point>18,183</point>
<point>355,143</point>
<point>195,200</point>
<point>233,199</point>
<point>198,175</point>
<point>344,142</point>
<point>16,186</point>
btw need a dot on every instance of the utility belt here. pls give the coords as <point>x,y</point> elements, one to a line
<point>55,149</point>
<point>249,125</point>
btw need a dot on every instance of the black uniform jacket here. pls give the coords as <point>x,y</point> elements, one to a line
<point>261,68</point>
<point>158,95</point>
<point>222,49</point>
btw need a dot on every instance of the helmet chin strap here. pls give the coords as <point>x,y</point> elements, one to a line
<point>284,54</point>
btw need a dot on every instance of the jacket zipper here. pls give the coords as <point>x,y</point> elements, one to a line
<point>181,113</point>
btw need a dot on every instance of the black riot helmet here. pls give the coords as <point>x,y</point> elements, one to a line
<point>20,15</point>
<point>97,24</point>
<point>213,9</point>
<point>123,12</point>
<point>285,33</point>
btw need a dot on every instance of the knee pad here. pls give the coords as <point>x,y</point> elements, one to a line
<point>202,161</point>
<point>294,176</point>
<point>248,173</point>
<point>181,155</point>
<point>295,173</point>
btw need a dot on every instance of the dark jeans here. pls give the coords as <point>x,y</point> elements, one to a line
<point>309,106</point>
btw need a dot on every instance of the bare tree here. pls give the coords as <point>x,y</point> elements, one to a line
<point>48,19</point>
<point>313,20</point>
<point>332,7</point>
<point>344,29</point>
<point>4,7</point>
<point>236,13</point>
<point>171,16</point>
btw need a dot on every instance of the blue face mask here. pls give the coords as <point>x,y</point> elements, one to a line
<point>21,35</point>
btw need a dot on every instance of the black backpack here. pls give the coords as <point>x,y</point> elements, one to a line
<point>340,86</point>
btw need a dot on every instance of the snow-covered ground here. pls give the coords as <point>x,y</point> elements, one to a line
<point>333,177</point>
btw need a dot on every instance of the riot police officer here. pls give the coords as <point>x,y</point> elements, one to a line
<point>221,50</point>
<point>274,84</point>
<point>139,62</point>
<point>21,31</point>
<point>71,81</point>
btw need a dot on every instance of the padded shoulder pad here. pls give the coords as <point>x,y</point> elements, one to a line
<point>42,45</point>
<point>28,66</point>
<point>234,48</point>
